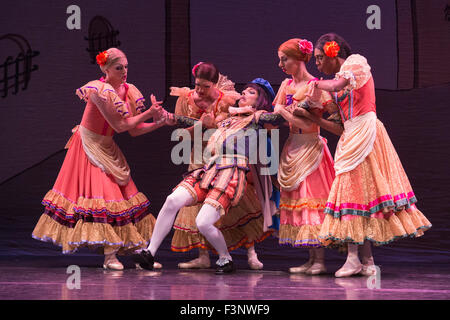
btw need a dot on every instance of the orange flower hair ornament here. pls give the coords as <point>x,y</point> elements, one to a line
<point>331,49</point>
<point>101,58</point>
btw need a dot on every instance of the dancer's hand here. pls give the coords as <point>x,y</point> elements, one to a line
<point>331,107</point>
<point>156,108</point>
<point>313,93</point>
<point>208,120</point>
<point>278,108</point>
<point>301,112</point>
<point>170,119</point>
<point>291,108</point>
<point>161,119</point>
<point>154,101</point>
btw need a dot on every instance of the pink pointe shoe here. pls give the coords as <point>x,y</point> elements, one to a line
<point>156,265</point>
<point>198,263</point>
<point>111,263</point>
<point>316,269</point>
<point>254,263</point>
<point>301,269</point>
<point>348,270</point>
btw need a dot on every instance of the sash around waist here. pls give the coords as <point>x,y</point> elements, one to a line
<point>301,155</point>
<point>103,152</point>
<point>356,142</point>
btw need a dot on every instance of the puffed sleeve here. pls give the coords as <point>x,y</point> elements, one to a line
<point>228,100</point>
<point>85,91</point>
<point>226,86</point>
<point>106,92</point>
<point>280,98</point>
<point>182,105</point>
<point>356,69</point>
<point>179,92</point>
<point>136,99</point>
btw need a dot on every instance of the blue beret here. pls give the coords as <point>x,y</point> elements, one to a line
<point>266,86</point>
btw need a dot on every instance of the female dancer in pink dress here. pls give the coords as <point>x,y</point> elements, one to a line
<point>94,202</point>
<point>306,171</point>
<point>371,199</point>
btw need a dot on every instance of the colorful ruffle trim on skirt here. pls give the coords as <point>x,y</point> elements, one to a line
<point>374,201</point>
<point>108,226</point>
<point>241,226</point>
<point>245,232</point>
<point>381,231</point>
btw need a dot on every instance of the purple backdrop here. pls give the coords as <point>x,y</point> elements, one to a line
<point>242,37</point>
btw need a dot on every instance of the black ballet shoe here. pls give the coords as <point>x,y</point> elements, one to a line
<point>226,267</point>
<point>144,259</point>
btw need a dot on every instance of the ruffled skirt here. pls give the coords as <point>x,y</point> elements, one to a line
<point>302,210</point>
<point>87,208</point>
<point>241,226</point>
<point>374,201</point>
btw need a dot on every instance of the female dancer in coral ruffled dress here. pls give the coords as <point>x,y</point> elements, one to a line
<point>94,202</point>
<point>243,225</point>
<point>371,199</point>
<point>306,170</point>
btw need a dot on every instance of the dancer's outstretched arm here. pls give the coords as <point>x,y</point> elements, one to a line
<point>330,126</point>
<point>331,85</point>
<point>144,128</point>
<point>299,122</point>
<point>116,121</point>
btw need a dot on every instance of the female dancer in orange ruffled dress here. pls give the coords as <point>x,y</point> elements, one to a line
<point>306,170</point>
<point>243,226</point>
<point>94,202</point>
<point>371,199</point>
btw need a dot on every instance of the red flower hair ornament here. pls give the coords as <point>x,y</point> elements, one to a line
<point>331,49</point>
<point>102,58</point>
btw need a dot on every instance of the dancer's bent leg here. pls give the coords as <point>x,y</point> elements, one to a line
<point>207,216</point>
<point>166,217</point>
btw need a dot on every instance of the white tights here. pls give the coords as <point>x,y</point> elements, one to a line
<point>166,217</point>
<point>207,216</point>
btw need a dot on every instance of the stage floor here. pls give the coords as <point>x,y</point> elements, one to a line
<point>43,278</point>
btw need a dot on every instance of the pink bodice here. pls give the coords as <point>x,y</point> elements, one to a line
<point>356,102</point>
<point>94,121</point>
